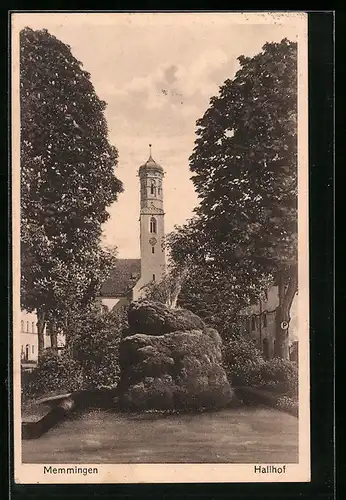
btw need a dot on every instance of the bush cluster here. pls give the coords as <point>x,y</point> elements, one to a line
<point>246,366</point>
<point>95,346</point>
<point>90,360</point>
<point>54,372</point>
<point>281,375</point>
<point>288,404</point>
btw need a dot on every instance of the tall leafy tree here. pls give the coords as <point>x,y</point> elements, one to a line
<point>67,181</point>
<point>244,168</point>
<point>199,282</point>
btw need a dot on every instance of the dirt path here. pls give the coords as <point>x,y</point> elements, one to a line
<point>244,435</point>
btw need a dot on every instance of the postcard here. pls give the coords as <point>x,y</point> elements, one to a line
<point>160,247</point>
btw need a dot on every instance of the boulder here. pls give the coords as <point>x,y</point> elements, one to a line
<point>177,369</point>
<point>154,318</point>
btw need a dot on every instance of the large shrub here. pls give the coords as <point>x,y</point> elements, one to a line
<point>95,346</point>
<point>242,362</point>
<point>55,372</point>
<point>241,350</point>
<point>89,361</point>
<point>280,375</point>
<point>246,366</point>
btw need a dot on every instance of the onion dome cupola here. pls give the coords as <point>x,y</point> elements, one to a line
<point>151,180</point>
<point>150,164</point>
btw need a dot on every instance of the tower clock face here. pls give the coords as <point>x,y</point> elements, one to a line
<point>153,241</point>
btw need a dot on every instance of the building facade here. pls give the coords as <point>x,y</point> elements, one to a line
<point>259,323</point>
<point>29,338</point>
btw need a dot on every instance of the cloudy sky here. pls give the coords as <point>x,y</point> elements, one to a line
<point>157,73</point>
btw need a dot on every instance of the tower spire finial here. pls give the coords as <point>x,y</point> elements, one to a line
<point>150,150</point>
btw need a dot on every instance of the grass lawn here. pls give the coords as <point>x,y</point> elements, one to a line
<point>238,435</point>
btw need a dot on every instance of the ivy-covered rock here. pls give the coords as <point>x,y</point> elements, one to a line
<point>154,318</point>
<point>175,370</point>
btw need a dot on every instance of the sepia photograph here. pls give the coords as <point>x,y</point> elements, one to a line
<point>160,247</point>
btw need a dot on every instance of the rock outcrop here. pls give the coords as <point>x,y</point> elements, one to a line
<point>170,360</point>
<point>154,318</point>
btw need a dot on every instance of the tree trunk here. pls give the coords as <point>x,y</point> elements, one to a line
<point>178,283</point>
<point>53,337</point>
<point>282,314</point>
<point>173,297</point>
<point>40,333</point>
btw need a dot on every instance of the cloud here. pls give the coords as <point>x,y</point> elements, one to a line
<point>199,78</point>
<point>175,81</point>
<point>168,100</point>
<point>170,74</point>
<point>160,108</point>
<point>157,73</point>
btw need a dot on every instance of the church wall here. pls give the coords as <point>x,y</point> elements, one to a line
<point>151,189</point>
<point>152,264</point>
<point>152,231</point>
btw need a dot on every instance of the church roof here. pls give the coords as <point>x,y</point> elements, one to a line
<point>150,164</point>
<point>122,278</point>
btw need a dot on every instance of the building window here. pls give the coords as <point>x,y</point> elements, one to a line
<point>153,277</point>
<point>22,326</point>
<point>152,249</point>
<point>27,326</point>
<point>27,351</point>
<point>253,323</point>
<point>152,187</point>
<point>265,322</point>
<point>159,190</point>
<point>153,225</point>
<point>32,349</point>
<point>33,327</point>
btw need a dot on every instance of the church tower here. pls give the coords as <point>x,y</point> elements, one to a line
<point>153,260</point>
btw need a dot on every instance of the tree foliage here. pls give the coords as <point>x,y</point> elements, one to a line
<point>91,359</point>
<point>67,180</point>
<point>167,290</point>
<point>244,167</point>
<point>196,282</point>
<point>212,288</point>
<point>245,366</point>
<point>55,372</point>
<point>94,344</point>
<point>245,161</point>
